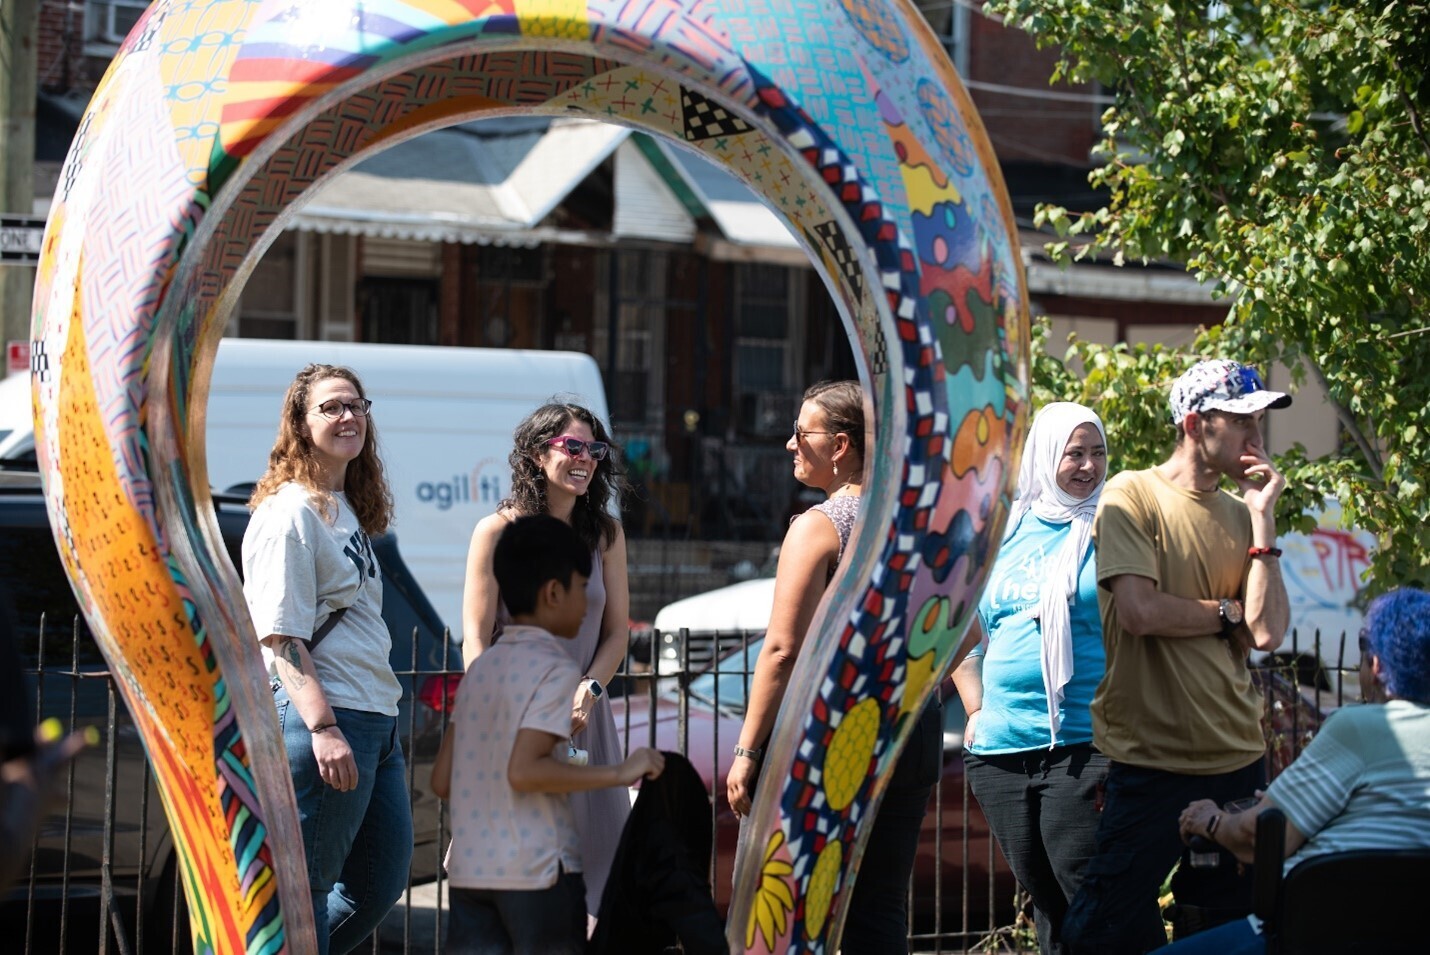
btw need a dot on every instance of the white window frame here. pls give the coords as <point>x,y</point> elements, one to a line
<point>955,39</point>
<point>101,35</point>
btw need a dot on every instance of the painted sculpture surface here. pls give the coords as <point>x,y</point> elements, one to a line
<point>217,116</point>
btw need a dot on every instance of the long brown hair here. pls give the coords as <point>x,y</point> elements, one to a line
<point>590,518</point>
<point>293,460</point>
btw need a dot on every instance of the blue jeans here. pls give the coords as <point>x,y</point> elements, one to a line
<point>1115,911</point>
<point>358,843</point>
<point>1233,938</point>
<point>519,922</point>
<point>1042,808</point>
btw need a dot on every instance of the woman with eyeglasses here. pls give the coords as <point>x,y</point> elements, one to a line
<point>563,464</point>
<point>828,449</point>
<point>310,578</point>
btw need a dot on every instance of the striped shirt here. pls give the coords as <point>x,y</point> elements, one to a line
<point>1363,783</point>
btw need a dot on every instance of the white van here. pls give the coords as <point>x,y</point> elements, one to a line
<point>444,419</point>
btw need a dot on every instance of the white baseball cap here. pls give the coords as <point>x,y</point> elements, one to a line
<point>1222,385</point>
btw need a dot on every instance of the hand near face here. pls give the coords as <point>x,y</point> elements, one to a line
<point>1262,483</point>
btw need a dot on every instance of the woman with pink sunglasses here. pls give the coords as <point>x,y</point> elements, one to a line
<point>563,464</point>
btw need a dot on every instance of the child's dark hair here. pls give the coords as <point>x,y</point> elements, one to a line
<point>531,551</point>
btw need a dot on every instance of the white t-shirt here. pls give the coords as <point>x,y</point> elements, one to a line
<point>503,839</point>
<point>297,569</point>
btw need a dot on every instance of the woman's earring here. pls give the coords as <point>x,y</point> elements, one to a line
<point>836,470</point>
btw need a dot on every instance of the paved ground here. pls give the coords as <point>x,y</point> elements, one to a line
<point>423,931</point>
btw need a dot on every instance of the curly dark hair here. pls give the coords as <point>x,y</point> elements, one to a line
<point>591,517</point>
<point>292,457</point>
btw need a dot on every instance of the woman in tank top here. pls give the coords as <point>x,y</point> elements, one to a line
<point>828,449</point>
<point>564,464</point>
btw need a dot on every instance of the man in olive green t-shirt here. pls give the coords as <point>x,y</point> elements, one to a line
<point>1190,583</point>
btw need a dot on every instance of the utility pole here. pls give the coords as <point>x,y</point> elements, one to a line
<point>19,21</point>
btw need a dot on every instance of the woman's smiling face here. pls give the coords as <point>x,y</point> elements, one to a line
<point>336,441</point>
<point>572,475</point>
<point>1084,462</point>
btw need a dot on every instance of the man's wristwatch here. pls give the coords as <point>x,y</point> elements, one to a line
<point>594,685</point>
<point>1230,611</point>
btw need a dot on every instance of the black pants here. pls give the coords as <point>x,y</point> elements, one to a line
<point>877,922</point>
<point>1042,808</point>
<point>1115,911</point>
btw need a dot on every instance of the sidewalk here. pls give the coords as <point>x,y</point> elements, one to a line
<point>423,932</point>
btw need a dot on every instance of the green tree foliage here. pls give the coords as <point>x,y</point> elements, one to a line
<point>1280,150</point>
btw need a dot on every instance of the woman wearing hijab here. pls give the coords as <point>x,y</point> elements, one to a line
<point>1028,684</point>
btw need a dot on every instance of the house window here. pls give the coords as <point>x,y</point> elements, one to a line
<point>635,384</point>
<point>399,311</point>
<point>766,332</point>
<point>949,21</point>
<point>108,22</point>
<point>268,307</point>
<point>510,296</point>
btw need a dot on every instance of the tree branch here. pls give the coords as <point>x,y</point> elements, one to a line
<point>1348,421</point>
<point>1414,119</point>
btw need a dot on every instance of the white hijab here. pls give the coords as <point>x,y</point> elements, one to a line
<point>1038,492</point>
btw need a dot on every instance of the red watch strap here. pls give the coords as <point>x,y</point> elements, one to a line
<point>1263,551</point>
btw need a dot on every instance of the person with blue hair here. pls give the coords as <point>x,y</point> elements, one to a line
<point>1363,783</point>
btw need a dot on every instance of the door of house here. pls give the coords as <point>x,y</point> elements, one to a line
<point>399,311</point>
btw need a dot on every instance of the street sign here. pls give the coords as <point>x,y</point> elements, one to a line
<point>21,238</point>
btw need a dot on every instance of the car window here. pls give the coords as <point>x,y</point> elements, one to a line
<point>730,689</point>
<point>35,585</point>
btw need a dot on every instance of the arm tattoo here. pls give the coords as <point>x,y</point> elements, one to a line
<point>290,664</point>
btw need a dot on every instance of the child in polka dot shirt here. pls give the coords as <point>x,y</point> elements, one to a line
<point>514,864</point>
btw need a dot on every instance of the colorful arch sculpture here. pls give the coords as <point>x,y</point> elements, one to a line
<point>216,117</point>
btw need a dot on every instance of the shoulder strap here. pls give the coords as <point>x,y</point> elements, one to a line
<point>326,628</point>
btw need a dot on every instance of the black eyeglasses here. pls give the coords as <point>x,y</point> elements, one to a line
<point>333,409</point>
<point>800,434</point>
<point>1364,643</point>
<point>574,446</point>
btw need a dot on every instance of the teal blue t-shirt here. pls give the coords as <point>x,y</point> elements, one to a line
<point>1014,717</point>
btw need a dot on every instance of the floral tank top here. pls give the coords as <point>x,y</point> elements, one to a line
<point>842,512</point>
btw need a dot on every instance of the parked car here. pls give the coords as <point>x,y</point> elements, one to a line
<point>64,891</point>
<point>957,863</point>
<point>690,633</point>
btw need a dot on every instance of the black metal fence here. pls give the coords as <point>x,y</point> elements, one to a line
<point>102,877</point>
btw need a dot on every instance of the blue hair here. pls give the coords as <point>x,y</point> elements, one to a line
<point>1397,626</point>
